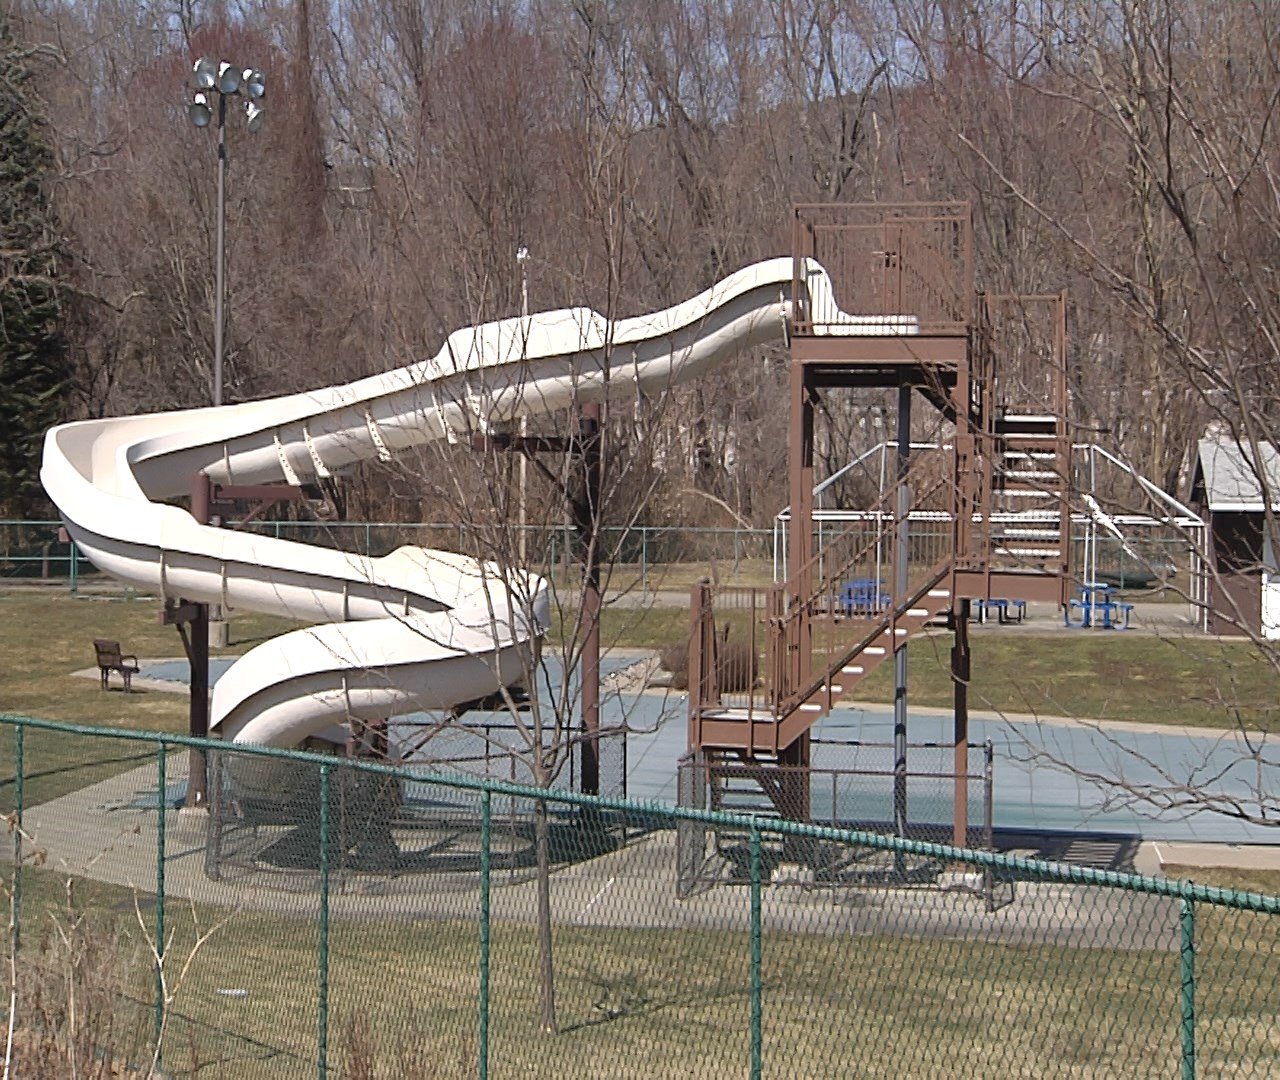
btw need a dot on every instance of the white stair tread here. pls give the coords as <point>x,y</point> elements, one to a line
<point>1037,552</point>
<point>759,716</point>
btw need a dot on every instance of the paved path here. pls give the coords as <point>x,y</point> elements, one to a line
<point>108,832</point>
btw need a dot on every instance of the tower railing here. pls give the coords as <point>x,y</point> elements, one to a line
<point>904,260</point>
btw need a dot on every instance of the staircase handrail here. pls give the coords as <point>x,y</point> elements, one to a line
<point>886,515</point>
<point>783,706</point>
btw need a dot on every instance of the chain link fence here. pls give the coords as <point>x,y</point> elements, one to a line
<point>640,558</point>
<point>416,951</point>
<point>849,785</point>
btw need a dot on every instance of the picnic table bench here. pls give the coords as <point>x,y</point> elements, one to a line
<point>110,658</point>
<point>1006,611</point>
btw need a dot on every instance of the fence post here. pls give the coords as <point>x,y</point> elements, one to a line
<point>644,561</point>
<point>757,1041</point>
<point>161,783</point>
<point>19,767</point>
<point>1188,921</point>
<point>322,1002</point>
<point>486,823</point>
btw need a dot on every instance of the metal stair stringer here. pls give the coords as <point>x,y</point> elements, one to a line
<point>885,636</point>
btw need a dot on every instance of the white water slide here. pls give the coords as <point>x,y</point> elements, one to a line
<point>417,629</point>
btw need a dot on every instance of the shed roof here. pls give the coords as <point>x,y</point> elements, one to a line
<point>1229,478</point>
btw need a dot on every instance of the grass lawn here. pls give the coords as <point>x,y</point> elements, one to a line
<point>45,636</point>
<point>1199,682</point>
<point>643,1003</point>
<point>632,1002</point>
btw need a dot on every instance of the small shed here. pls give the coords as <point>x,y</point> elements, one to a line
<point>1230,481</point>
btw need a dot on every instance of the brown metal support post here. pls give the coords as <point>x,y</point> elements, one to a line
<point>960,671</point>
<point>588,513</point>
<point>1063,448</point>
<point>198,659</point>
<point>795,780</point>
<point>800,527</point>
<point>901,556</point>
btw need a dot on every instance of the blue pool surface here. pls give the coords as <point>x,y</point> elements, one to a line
<point>1033,788</point>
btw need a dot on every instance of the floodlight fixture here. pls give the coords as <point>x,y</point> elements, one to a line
<point>206,73</point>
<point>255,84</point>
<point>228,78</point>
<point>253,116</point>
<point>200,111</point>
<point>522,253</point>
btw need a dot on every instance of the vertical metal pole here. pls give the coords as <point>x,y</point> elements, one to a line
<point>197,783</point>
<point>162,781</point>
<point>486,824</point>
<point>322,1004</point>
<point>19,795</point>
<point>522,257</point>
<point>1188,921</point>
<point>988,821</point>
<point>757,982</point>
<point>800,527</point>
<point>220,253</point>
<point>902,553</point>
<point>960,673</point>
<point>75,578</point>
<point>198,685</point>
<point>644,562</point>
<point>588,515</point>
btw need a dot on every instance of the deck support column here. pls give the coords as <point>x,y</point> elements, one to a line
<point>960,669</point>
<point>901,556</point>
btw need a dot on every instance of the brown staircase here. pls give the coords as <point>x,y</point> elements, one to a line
<point>993,523</point>
<point>794,698</point>
<point>1029,529</point>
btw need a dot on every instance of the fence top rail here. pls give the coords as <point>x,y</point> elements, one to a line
<point>1064,873</point>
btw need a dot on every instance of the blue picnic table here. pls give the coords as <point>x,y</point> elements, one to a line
<point>863,596</point>
<point>1098,606</point>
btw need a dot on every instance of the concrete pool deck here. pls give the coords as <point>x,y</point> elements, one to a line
<point>107,833</point>
<point>1033,796</point>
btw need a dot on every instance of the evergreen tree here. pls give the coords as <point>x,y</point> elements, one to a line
<point>32,349</point>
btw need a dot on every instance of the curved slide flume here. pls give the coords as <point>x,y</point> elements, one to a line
<point>418,628</point>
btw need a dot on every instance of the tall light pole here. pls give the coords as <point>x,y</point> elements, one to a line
<point>224,80</point>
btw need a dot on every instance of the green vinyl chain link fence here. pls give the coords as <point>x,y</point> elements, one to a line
<point>380,922</point>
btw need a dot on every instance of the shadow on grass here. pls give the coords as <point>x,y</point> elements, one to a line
<point>62,770</point>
